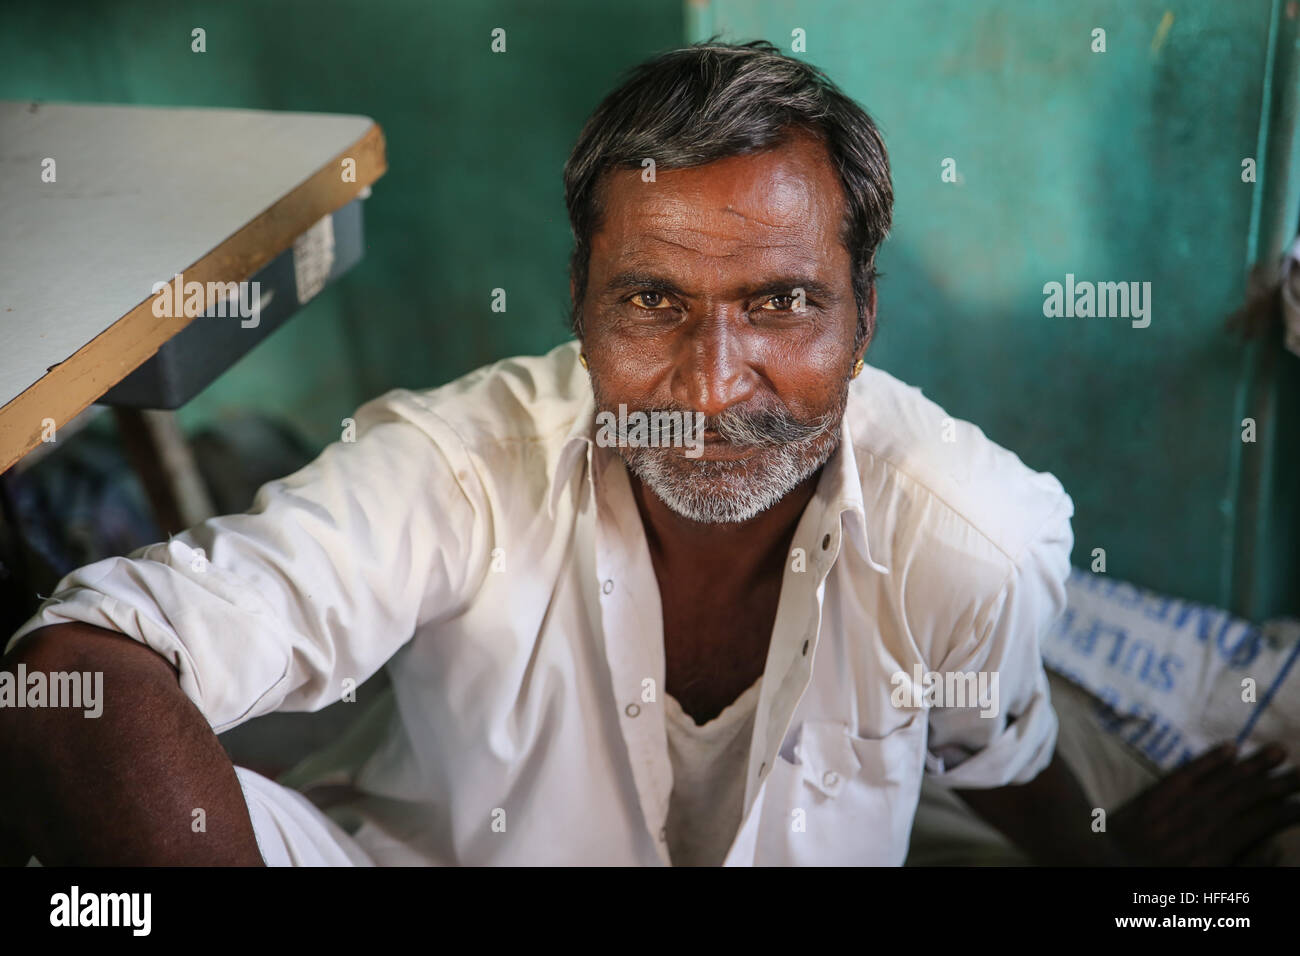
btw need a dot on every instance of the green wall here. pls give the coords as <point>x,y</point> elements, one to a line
<point>1115,166</point>
<point>472,201</point>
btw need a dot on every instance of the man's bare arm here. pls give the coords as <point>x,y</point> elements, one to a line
<point>1048,818</point>
<point>1211,811</point>
<point>121,788</point>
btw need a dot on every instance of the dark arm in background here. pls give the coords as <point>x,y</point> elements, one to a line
<point>119,789</point>
<point>1049,819</point>
<point>1209,812</point>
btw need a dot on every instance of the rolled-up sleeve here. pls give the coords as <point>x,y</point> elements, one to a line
<point>1013,745</point>
<point>318,585</point>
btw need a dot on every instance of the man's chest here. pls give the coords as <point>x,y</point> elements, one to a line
<point>716,645</point>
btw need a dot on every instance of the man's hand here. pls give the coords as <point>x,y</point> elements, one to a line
<point>1209,812</point>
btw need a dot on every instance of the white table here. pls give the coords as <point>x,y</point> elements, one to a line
<point>140,194</point>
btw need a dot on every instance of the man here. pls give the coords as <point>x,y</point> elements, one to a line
<point>610,651</point>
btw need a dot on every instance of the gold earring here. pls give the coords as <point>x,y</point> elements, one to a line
<point>583,359</point>
<point>857,367</point>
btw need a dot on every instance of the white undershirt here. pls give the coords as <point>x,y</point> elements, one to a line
<point>708,779</point>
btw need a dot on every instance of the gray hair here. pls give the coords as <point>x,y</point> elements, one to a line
<point>710,101</point>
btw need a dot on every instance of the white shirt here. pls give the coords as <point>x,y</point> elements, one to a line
<point>476,540</point>
<point>708,762</point>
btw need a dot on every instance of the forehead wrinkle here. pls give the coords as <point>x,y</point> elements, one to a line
<point>762,222</point>
<point>688,214</point>
<point>654,251</point>
<point>689,248</point>
<point>689,233</point>
<point>736,247</point>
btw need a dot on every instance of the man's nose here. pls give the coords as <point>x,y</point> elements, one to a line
<point>713,371</point>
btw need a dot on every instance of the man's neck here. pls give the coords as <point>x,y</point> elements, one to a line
<point>719,587</point>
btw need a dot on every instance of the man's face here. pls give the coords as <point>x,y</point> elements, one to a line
<point>725,289</point>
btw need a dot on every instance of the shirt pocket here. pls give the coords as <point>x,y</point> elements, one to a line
<point>845,800</point>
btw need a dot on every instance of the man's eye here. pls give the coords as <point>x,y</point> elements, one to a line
<point>649,300</point>
<point>786,303</point>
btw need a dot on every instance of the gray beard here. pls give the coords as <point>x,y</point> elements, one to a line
<point>723,492</point>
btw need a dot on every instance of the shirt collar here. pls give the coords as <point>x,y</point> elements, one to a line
<point>576,449</point>
<point>840,486</point>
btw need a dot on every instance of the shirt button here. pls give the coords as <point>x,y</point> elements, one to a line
<point>632,710</point>
<point>826,543</point>
<point>607,586</point>
<point>830,778</point>
<point>761,769</point>
<point>805,648</point>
